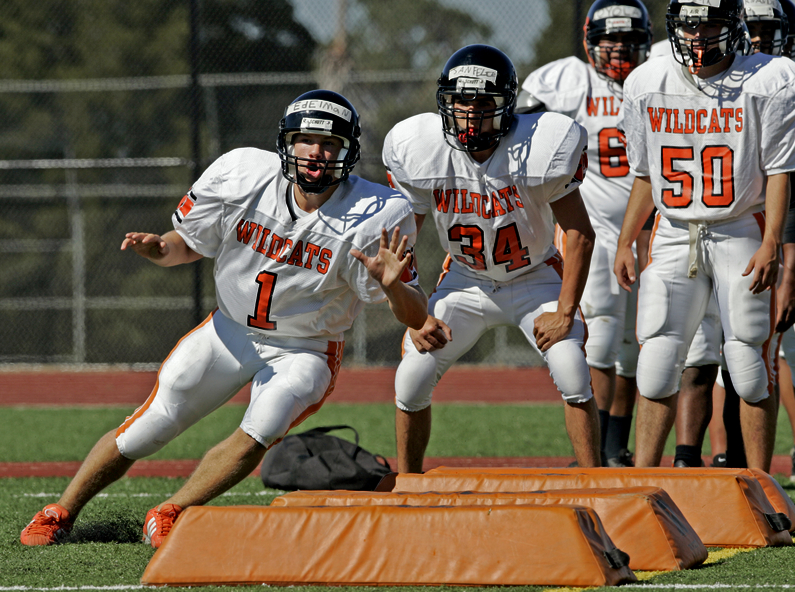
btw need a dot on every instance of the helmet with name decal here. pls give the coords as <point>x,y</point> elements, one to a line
<point>725,17</point>
<point>788,6</point>
<point>484,77</point>
<point>325,113</point>
<point>617,37</point>
<point>767,25</point>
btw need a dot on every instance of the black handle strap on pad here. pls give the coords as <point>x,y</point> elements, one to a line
<point>616,558</point>
<point>778,521</point>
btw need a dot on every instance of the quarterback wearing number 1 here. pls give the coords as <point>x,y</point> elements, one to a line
<point>299,247</point>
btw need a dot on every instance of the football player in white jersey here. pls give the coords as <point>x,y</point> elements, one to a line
<point>711,141</point>
<point>768,25</point>
<point>492,181</point>
<point>299,247</point>
<point>617,39</point>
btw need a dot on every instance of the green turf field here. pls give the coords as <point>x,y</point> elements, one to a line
<point>103,551</point>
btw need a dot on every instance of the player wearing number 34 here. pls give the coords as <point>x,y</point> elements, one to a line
<point>492,181</point>
<point>299,247</point>
<point>711,139</point>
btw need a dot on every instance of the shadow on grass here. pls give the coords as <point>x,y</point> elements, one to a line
<point>114,529</point>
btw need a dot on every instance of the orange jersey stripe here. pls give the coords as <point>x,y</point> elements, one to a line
<point>138,412</point>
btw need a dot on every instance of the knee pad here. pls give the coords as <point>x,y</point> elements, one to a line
<point>748,371</point>
<point>415,379</point>
<point>659,367</point>
<point>749,314</point>
<point>147,434</point>
<point>627,360</point>
<point>602,345</point>
<point>569,371</point>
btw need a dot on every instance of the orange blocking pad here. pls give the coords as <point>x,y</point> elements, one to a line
<point>387,545</point>
<point>779,499</point>
<point>641,521</point>
<point>725,508</point>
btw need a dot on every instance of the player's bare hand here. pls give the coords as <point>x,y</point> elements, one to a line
<point>390,261</point>
<point>764,265</point>
<point>434,335</point>
<point>624,268</point>
<point>550,328</point>
<point>151,246</point>
<point>785,302</point>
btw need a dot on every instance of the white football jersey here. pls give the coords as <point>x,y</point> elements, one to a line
<point>283,276</point>
<point>660,49</point>
<point>708,145</point>
<point>493,218</point>
<point>572,87</point>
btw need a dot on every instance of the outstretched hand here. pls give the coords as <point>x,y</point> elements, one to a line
<point>150,246</point>
<point>390,261</point>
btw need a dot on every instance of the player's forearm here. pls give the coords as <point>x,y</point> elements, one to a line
<point>408,303</point>
<point>639,208</point>
<point>777,198</point>
<point>178,251</point>
<point>579,247</point>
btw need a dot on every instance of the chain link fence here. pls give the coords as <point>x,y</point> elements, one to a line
<point>110,109</point>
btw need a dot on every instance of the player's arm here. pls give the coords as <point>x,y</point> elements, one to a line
<point>408,303</point>
<point>639,209</point>
<point>764,263</point>
<point>572,217</point>
<point>166,251</point>
<point>785,305</point>
<point>434,334</point>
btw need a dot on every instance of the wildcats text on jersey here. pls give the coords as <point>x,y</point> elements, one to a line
<point>484,205</point>
<point>610,106</point>
<point>723,120</point>
<point>283,250</point>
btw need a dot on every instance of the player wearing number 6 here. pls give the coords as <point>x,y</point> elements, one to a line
<point>711,139</point>
<point>299,247</point>
<point>617,37</point>
<point>492,182</point>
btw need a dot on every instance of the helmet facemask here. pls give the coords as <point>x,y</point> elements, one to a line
<point>768,35</point>
<point>463,127</point>
<point>702,52</point>
<point>333,172</point>
<point>617,38</point>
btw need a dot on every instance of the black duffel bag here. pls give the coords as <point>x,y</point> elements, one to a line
<point>316,460</point>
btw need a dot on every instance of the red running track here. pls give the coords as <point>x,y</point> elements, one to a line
<point>354,385</point>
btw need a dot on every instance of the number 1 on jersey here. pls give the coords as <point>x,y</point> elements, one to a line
<point>261,320</point>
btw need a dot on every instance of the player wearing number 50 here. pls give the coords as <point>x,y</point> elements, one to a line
<point>492,181</point>
<point>711,139</point>
<point>299,247</point>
